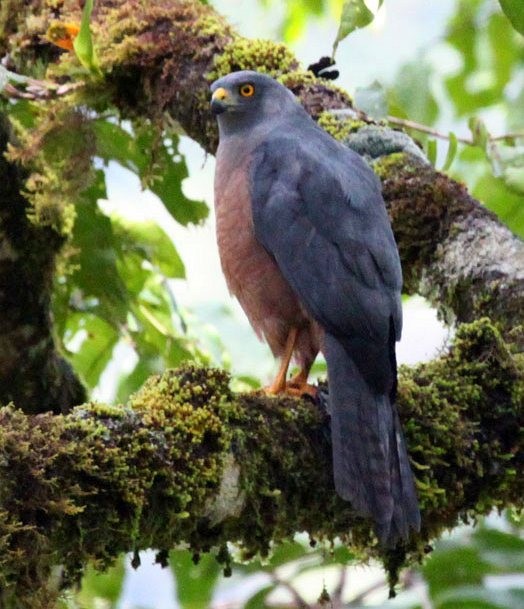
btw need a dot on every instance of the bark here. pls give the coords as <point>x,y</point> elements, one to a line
<point>186,461</point>
<point>32,372</point>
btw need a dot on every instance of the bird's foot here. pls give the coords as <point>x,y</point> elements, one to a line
<point>300,388</point>
<point>294,387</point>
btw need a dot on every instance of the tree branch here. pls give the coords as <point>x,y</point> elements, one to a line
<point>187,461</point>
<point>32,373</point>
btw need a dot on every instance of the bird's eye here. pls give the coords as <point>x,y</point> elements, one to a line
<point>247,90</point>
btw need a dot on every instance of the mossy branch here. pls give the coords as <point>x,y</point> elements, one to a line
<point>187,461</point>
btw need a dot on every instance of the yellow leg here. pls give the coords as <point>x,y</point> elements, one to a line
<point>279,384</point>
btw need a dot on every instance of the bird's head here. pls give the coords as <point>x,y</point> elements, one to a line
<point>242,100</point>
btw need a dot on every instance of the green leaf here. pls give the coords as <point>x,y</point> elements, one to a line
<point>96,349</point>
<point>431,151</point>
<point>106,586</point>
<point>83,43</point>
<point>195,582</point>
<point>258,600</point>
<point>151,243</point>
<point>146,155</point>
<point>355,15</point>
<point>486,65</point>
<point>507,204</point>
<point>479,132</point>
<point>452,151</point>
<point>514,11</point>
<point>501,550</point>
<point>372,100</point>
<point>96,275</point>
<point>422,106</point>
<point>478,597</point>
<point>144,368</point>
<point>453,566</point>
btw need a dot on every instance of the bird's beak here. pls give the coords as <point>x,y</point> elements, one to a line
<point>220,101</point>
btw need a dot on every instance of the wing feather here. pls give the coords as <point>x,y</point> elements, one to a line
<point>320,213</point>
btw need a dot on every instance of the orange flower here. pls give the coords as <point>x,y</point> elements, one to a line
<point>62,34</point>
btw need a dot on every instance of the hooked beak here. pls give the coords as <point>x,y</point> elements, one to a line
<point>220,101</point>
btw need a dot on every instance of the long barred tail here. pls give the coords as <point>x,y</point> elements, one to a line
<point>370,460</point>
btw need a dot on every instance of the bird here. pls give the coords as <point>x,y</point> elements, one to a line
<point>306,247</point>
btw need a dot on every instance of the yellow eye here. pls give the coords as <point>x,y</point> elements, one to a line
<point>247,90</point>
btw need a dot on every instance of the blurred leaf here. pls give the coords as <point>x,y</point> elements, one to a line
<point>431,151</point>
<point>452,151</point>
<point>514,11</point>
<point>487,65</point>
<point>355,15</point>
<point>144,368</point>
<point>504,551</point>
<point>477,597</point>
<point>151,243</point>
<point>258,600</point>
<point>281,554</point>
<point>479,132</point>
<point>420,106</point>
<point>496,195</point>
<point>296,16</point>
<point>195,583</point>
<point>454,565</point>
<point>372,100</point>
<point>159,169</point>
<point>106,586</point>
<point>83,43</point>
<point>96,349</point>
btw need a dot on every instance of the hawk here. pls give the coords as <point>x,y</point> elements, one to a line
<point>306,247</point>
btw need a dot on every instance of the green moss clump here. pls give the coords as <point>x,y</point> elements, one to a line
<point>390,165</point>
<point>423,205</point>
<point>339,128</point>
<point>261,55</point>
<point>459,415</point>
<point>56,147</point>
<point>107,479</point>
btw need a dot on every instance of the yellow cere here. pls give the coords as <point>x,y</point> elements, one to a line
<point>220,94</point>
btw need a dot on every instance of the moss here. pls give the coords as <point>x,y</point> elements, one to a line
<point>339,128</point>
<point>56,147</point>
<point>245,54</point>
<point>424,206</point>
<point>109,479</point>
<point>388,166</point>
<point>460,413</point>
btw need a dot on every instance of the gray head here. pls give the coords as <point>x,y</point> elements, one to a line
<point>243,100</point>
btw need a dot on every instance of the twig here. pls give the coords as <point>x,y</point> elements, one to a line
<point>336,596</point>
<point>360,598</point>
<point>402,122</point>
<point>297,598</point>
